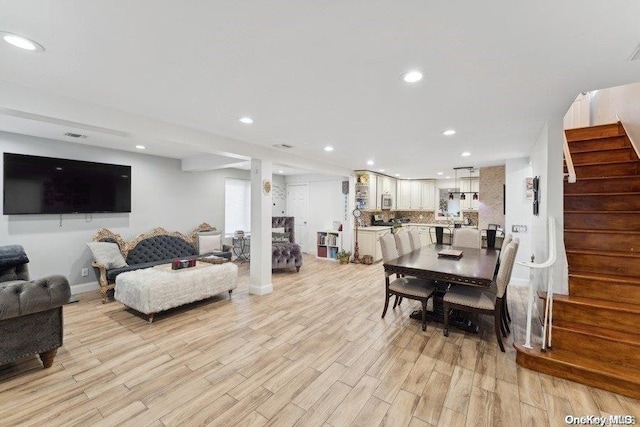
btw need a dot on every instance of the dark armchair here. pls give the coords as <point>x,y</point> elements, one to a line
<point>30,310</point>
<point>285,254</point>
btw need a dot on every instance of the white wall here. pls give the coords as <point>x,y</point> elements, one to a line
<point>326,205</point>
<point>623,101</point>
<point>546,162</point>
<point>519,210</point>
<point>162,196</point>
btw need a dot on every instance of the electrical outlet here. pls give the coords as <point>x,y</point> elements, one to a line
<point>85,272</point>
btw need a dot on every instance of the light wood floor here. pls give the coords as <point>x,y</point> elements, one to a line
<point>314,352</point>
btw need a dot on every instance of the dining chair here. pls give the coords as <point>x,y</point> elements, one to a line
<point>403,242</point>
<point>467,238</point>
<point>404,287</point>
<point>482,301</point>
<point>506,317</point>
<point>414,236</point>
<point>493,226</point>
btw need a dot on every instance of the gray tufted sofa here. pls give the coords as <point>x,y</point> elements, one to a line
<point>30,310</point>
<point>146,250</point>
<point>288,254</point>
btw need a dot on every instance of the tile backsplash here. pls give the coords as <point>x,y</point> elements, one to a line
<point>420,217</point>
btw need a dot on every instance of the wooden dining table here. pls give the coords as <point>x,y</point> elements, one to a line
<point>475,267</point>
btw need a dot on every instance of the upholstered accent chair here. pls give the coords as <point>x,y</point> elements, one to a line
<point>285,254</point>
<point>30,310</point>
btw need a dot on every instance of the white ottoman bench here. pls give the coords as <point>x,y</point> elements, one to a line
<point>160,288</point>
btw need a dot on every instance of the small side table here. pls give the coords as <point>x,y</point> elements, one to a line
<point>242,247</point>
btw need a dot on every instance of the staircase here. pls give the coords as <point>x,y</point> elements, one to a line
<point>596,328</point>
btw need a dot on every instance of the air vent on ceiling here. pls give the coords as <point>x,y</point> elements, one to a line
<point>283,146</point>
<point>75,135</point>
<point>635,56</point>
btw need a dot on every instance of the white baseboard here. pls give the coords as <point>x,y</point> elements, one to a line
<point>84,287</point>
<point>261,289</point>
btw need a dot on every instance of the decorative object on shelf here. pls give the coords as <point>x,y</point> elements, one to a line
<point>344,256</point>
<point>356,255</point>
<point>239,234</point>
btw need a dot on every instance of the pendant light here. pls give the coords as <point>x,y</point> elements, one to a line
<point>475,196</point>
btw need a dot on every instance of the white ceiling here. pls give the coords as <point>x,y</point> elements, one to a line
<point>176,76</point>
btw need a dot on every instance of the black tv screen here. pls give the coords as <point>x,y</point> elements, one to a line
<point>47,185</point>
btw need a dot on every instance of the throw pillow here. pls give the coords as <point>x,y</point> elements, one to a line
<point>277,230</point>
<point>280,237</point>
<point>107,254</point>
<point>209,242</point>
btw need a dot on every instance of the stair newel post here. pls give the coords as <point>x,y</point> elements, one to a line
<point>548,314</point>
<point>527,343</point>
<point>532,265</point>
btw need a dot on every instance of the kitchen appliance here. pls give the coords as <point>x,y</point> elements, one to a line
<point>386,201</point>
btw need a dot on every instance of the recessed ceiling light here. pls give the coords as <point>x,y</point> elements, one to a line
<point>447,177</point>
<point>328,148</point>
<point>380,170</point>
<point>465,154</point>
<point>21,42</point>
<point>370,162</point>
<point>140,147</point>
<point>439,173</point>
<point>246,120</point>
<point>449,132</point>
<point>412,76</point>
<point>280,171</point>
<point>397,174</point>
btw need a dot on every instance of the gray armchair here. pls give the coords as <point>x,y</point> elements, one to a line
<point>30,310</point>
<point>285,254</point>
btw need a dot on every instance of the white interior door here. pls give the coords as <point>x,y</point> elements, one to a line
<point>298,207</point>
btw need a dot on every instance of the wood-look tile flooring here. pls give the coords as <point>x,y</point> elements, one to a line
<point>314,352</point>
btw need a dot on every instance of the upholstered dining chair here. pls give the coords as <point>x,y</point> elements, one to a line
<point>483,301</point>
<point>414,237</point>
<point>403,242</point>
<point>467,238</point>
<point>506,317</point>
<point>505,242</point>
<point>404,287</point>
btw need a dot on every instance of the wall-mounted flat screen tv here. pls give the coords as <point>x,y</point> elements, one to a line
<point>47,185</point>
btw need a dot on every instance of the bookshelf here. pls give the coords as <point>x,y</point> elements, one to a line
<point>328,244</point>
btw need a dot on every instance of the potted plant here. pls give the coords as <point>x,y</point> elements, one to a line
<point>344,256</point>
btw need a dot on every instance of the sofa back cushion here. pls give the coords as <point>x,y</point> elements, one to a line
<point>286,222</point>
<point>158,248</point>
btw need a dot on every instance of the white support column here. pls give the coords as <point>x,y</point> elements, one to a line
<point>260,269</point>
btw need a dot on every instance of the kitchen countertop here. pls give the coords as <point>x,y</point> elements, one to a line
<point>375,228</point>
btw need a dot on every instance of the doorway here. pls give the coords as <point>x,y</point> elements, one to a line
<point>298,207</point>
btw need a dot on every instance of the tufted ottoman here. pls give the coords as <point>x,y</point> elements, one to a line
<point>156,289</point>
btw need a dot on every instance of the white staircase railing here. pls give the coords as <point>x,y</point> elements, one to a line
<point>571,171</point>
<point>548,314</point>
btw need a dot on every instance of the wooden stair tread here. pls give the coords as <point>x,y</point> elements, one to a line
<point>601,178</point>
<point>628,193</point>
<point>613,163</point>
<point>570,359</point>
<point>602,212</point>
<point>592,231</point>
<point>610,334</point>
<point>607,277</point>
<point>594,132</point>
<point>604,253</point>
<point>594,303</point>
<point>575,150</point>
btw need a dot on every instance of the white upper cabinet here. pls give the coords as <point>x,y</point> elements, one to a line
<point>428,190</point>
<point>416,195</point>
<point>386,185</point>
<point>469,186</point>
<point>404,194</point>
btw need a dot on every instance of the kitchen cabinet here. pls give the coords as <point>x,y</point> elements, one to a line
<point>469,186</point>
<point>369,243</point>
<point>404,194</point>
<point>366,186</point>
<point>386,185</point>
<point>416,194</point>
